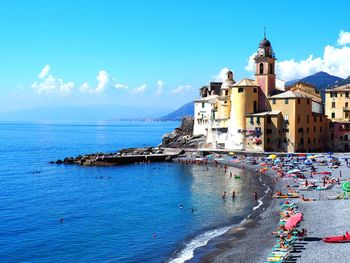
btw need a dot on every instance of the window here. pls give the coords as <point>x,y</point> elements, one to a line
<point>255,106</point>
<point>346,115</point>
<point>287,130</point>
<point>320,118</point>
<point>273,101</point>
<point>301,140</point>
<point>268,140</point>
<point>298,118</point>
<point>251,120</point>
<point>255,90</point>
<point>314,128</point>
<point>333,115</point>
<point>347,94</point>
<point>308,101</point>
<point>320,128</point>
<point>298,100</point>
<point>258,120</point>
<point>307,118</point>
<point>314,140</point>
<point>269,119</point>
<point>203,104</point>
<point>285,140</point>
<point>268,131</point>
<point>345,137</point>
<point>315,119</point>
<point>300,130</point>
<point>346,104</point>
<point>225,102</point>
<point>308,140</point>
<point>332,136</point>
<point>333,104</point>
<point>285,101</point>
<point>335,94</point>
<point>271,69</point>
<point>261,70</point>
<point>307,130</point>
<point>240,90</point>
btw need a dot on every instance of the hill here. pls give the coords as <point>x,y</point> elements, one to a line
<point>321,80</point>
<point>177,115</point>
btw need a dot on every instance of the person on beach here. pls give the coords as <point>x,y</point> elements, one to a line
<point>255,196</point>
<point>223,195</point>
<point>230,174</point>
<point>233,194</point>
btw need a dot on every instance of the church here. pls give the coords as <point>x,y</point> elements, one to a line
<point>259,115</point>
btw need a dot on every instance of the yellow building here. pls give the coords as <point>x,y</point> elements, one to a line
<point>338,111</point>
<point>254,115</point>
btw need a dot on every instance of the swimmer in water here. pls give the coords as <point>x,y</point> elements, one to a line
<point>224,194</point>
<point>181,206</point>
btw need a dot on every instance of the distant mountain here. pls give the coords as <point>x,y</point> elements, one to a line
<point>343,82</point>
<point>185,110</point>
<point>81,113</point>
<point>321,80</point>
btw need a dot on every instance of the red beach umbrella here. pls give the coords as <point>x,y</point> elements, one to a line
<point>293,221</point>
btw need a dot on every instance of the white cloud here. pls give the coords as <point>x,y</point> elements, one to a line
<point>221,76</point>
<point>119,86</point>
<point>140,89</point>
<point>335,61</point>
<point>44,72</point>
<point>102,79</point>
<point>182,88</point>
<point>52,84</point>
<point>160,84</point>
<point>344,38</point>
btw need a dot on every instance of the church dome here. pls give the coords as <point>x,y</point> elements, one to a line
<point>264,43</point>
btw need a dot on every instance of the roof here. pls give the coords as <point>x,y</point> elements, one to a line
<point>288,94</point>
<point>209,99</point>
<point>265,113</point>
<point>264,43</point>
<point>345,87</point>
<point>245,83</point>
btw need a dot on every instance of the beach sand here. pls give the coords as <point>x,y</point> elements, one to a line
<point>252,241</point>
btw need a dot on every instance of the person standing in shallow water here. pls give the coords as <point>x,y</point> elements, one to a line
<point>255,196</point>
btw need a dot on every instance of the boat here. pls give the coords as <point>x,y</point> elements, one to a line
<point>337,239</point>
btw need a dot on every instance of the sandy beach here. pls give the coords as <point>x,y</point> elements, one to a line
<point>253,240</point>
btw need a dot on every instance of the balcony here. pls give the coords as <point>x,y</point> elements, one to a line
<point>347,109</point>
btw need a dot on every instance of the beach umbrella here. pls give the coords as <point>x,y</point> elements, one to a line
<point>308,162</point>
<point>346,186</point>
<point>231,153</point>
<point>301,154</point>
<point>293,221</point>
<point>272,156</point>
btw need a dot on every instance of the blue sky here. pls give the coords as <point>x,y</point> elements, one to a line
<point>153,52</point>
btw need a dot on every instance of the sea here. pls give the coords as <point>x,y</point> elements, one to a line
<point>159,212</point>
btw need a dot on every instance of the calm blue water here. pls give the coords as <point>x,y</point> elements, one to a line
<point>111,214</point>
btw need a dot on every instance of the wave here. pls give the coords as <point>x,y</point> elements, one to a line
<point>199,241</point>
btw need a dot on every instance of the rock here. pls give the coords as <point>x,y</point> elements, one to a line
<point>68,160</point>
<point>59,161</point>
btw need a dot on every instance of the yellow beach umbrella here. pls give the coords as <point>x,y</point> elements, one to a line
<point>272,156</point>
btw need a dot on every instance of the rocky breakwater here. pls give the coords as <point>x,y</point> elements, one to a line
<point>125,156</point>
<point>183,137</point>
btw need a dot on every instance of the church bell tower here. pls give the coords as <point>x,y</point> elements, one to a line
<point>265,76</point>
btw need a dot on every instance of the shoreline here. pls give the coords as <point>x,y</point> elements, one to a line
<point>218,248</point>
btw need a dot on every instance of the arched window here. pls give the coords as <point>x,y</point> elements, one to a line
<point>261,68</point>
<point>255,106</point>
<point>240,90</point>
<point>271,69</point>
